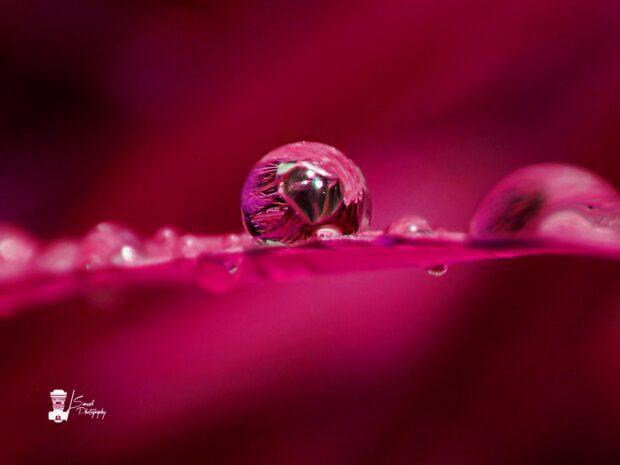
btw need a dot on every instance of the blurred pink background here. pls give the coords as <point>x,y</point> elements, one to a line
<point>152,113</point>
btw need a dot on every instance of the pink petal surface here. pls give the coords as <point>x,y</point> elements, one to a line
<point>153,113</point>
<point>219,268</point>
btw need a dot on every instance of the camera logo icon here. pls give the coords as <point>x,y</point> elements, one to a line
<point>58,413</point>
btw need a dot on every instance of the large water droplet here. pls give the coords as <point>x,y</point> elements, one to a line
<point>298,188</point>
<point>549,201</point>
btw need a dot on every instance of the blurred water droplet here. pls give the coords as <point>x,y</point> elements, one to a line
<point>236,242</point>
<point>164,244</point>
<point>437,270</point>
<point>410,225</point>
<point>17,249</point>
<point>549,201</point>
<point>232,269</point>
<point>191,246</point>
<point>109,244</point>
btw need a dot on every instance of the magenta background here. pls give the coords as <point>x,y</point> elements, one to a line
<point>151,113</point>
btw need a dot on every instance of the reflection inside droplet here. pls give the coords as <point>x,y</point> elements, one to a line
<point>128,253</point>
<point>313,195</point>
<point>328,232</point>
<point>299,188</point>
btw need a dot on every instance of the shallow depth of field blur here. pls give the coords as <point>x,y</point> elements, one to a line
<point>152,113</point>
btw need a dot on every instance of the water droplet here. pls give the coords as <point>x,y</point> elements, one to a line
<point>192,246</point>
<point>410,225</point>
<point>437,270</point>
<point>232,269</point>
<point>17,250</point>
<point>549,201</point>
<point>298,188</point>
<point>236,242</point>
<point>165,244</point>
<point>109,244</point>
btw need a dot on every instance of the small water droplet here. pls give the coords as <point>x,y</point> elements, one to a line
<point>409,225</point>
<point>17,250</point>
<point>109,244</point>
<point>236,242</point>
<point>192,246</point>
<point>437,270</point>
<point>164,244</point>
<point>328,232</point>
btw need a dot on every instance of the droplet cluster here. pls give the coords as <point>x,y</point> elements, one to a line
<point>310,190</point>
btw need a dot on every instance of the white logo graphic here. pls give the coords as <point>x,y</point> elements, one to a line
<point>59,414</point>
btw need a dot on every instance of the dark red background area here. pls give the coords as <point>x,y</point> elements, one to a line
<point>152,113</point>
